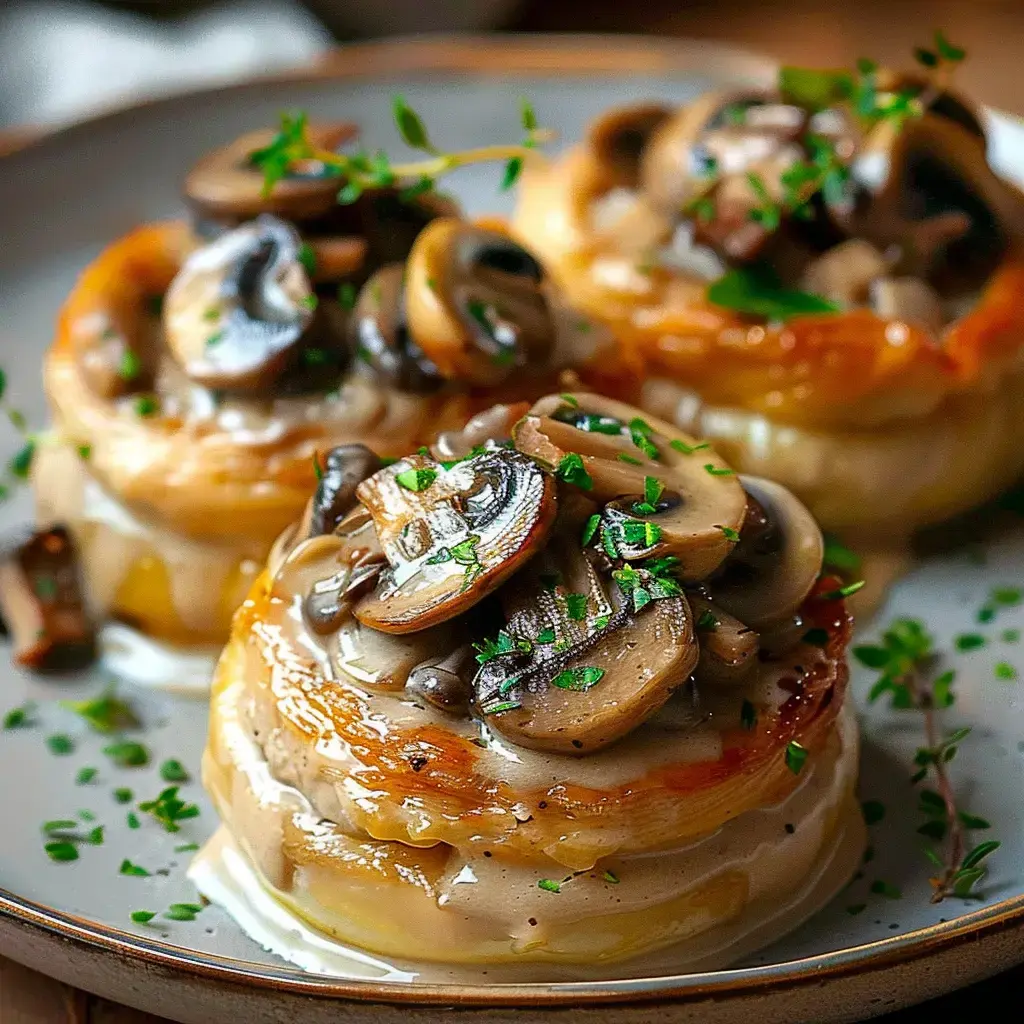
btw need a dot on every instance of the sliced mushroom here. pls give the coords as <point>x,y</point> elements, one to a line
<point>334,571</point>
<point>383,661</point>
<point>619,137</point>
<point>236,314</point>
<point>380,338</point>
<point>908,299</point>
<point>728,647</point>
<point>445,683</point>
<point>576,667</point>
<point>950,217</point>
<point>475,303</point>
<point>776,562</point>
<point>344,468</point>
<point>227,186</point>
<point>701,504</point>
<point>453,535</point>
<point>845,272</point>
<point>494,424</point>
<point>42,604</point>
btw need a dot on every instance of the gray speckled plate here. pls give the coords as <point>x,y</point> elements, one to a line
<point>62,199</point>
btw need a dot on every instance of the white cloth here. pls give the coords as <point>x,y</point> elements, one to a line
<point>60,61</point>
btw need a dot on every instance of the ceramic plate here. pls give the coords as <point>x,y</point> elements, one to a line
<point>66,196</point>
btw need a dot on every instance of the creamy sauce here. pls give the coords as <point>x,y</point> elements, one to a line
<point>132,655</point>
<point>790,858</point>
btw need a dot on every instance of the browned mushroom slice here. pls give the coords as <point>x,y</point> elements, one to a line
<point>728,647</point>
<point>776,562</point>
<point>42,605</point>
<point>344,468</point>
<point>665,494</point>
<point>475,303</point>
<point>332,571</point>
<point>385,661</point>
<point>445,683</point>
<point>452,535</point>
<point>494,424</point>
<point>619,137</point>
<point>227,185</point>
<point>942,207</point>
<point>577,668</point>
<point>379,335</point>
<point>238,310</point>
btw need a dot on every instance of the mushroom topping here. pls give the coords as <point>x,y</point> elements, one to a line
<point>445,683</point>
<point>226,186</point>
<point>452,533</point>
<point>476,304</point>
<point>380,338</point>
<point>619,137</point>
<point>576,667</point>
<point>728,647</point>
<point>385,661</point>
<point>776,562</point>
<point>42,605</point>
<point>845,272</point>
<point>948,215</point>
<point>344,468</point>
<point>494,424</point>
<point>354,553</point>
<point>718,147</point>
<point>664,494</point>
<point>908,299</point>
<point>237,312</point>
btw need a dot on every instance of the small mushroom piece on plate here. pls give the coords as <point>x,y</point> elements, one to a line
<point>476,303</point>
<point>42,605</point>
<point>227,185</point>
<point>452,535</point>
<point>664,493</point>
<point>380,338</point>
<point>238,310</point>
<point>777,561</point>
<point>577,667</point>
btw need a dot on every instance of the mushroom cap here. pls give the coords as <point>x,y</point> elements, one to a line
<point>344,469</point>
<point>452,535</point>
<point>777,561</point>
<point>700,507</point>
<point>728,647</point>
<point>380,338</point>
<point>605,672</point>
<point>237,311</point>
<point>227,186</point>
<point>619,137</point>
<point>475,304</point>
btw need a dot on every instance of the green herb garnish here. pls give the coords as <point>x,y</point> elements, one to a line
<point>572,470</point>
<point>173,771</point>
<point>127,754</point>
<point>416,479</point>
<point>754,293</point>
<point>796,756</point>
<point>548,885</point>
<point>135,870</point>
<point>104,714</point>
<point>168,809</point>
<point>60,744</point>
<point>579,678</point>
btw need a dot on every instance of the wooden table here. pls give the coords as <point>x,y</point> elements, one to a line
<point>797,31</point>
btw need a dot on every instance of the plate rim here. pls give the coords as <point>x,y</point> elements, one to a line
<point>473,54</point>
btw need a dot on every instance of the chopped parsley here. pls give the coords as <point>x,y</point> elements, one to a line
<point>572,470</point>
<point>85,776</point>
<point>173,771</point>
<point>169,809</point>
<point>796,756</point>
<point>628,459</point>
<point>135,870</point>
<point>183,911</point>
<point>1005,671</point>
<point>642,432</point>
<point>708,621</point>
<point>130,366</point>
<point>123,795</point>
<point>713,470</point>
<point>127,754</point>
<point>142,916</point>
<point>580,678</point>
<point>549,885</point>
<point>653,490</point>
<point>416,479</point>
<point>969,642</point>
<point>1010,636</point>
<point>590,529</point>
<point>688,449</point>
<point>61,851</point>
<point>843,592</point>
<point>60,744</point>
<point>104,714</point>
<point>576,606</point>
<point>347,295</point>
<point>504,644</point>
<point>20,717</point>
<point>731,535</point>
<point>146,405</point>
<point>610,877</point>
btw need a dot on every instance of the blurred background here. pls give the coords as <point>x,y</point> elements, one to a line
<point>63,59</point>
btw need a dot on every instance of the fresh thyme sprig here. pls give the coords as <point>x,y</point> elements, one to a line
<point>291,149</point>
<point>905,661</point>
